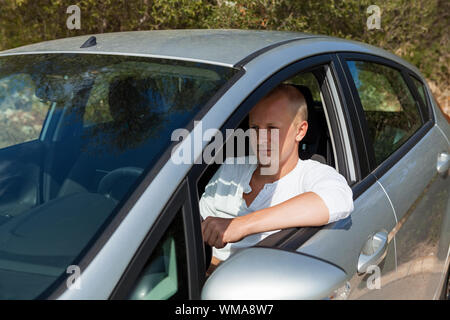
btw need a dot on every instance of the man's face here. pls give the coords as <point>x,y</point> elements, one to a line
<point>274,114</point>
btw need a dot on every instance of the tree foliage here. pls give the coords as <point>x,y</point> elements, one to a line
<point>417,30</point>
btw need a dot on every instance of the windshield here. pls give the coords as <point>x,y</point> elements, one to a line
<point>77,134</point>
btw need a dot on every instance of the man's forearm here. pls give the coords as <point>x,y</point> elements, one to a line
<point>304,210</point>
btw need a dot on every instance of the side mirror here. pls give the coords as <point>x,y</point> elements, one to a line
<point>272,274</point>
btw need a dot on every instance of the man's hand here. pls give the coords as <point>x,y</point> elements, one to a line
<point>217,232</point>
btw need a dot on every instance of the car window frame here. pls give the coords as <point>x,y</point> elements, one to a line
<point>292,238</point>
<point>178,204</point>
<point>427,106</point>
<point>379,170</point>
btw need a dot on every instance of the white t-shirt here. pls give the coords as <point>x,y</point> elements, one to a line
<point>223,195</point>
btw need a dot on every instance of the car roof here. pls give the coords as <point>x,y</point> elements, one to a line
<point>228,47</point>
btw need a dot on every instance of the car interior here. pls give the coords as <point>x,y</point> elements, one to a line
<point>87,157</point>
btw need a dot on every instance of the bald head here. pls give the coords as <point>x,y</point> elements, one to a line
<point>297,102</point>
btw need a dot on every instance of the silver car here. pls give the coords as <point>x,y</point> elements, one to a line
<point>93,205</point>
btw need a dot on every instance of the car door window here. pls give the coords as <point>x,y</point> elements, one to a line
<point>165,273</point>
<point>317,144</point>
<point>391,112</point>
<point>308,80</point>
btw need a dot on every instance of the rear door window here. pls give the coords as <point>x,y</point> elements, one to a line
<point>389,107</point>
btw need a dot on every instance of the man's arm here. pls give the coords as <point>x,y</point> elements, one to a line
<point>306,209</point>
<point>328,199</point>
<point>206,203</point>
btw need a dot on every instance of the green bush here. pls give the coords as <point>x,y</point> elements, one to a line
<point>417,30</point>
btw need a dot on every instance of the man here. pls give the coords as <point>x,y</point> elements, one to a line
<point>241,205</point>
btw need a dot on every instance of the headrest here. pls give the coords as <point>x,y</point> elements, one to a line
<point>126,100</point>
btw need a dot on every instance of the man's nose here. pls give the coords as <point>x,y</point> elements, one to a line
<point>263,136</point>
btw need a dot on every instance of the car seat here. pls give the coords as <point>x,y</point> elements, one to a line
<point>108,147</point>
<point>315,144</point>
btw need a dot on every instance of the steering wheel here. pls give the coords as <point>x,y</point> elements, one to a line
<point>117,183</point>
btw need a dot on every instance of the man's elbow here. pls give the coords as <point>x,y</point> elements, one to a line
<point>349,209</point>
<point>344,209</point>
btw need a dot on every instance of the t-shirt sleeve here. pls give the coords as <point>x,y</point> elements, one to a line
<point>206,204</point>
<point>332,188</point>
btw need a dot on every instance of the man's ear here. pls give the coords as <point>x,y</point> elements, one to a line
<point>301,130</point>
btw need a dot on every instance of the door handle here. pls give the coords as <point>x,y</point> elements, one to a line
<point>374,251</point>
<point>443,163</point>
